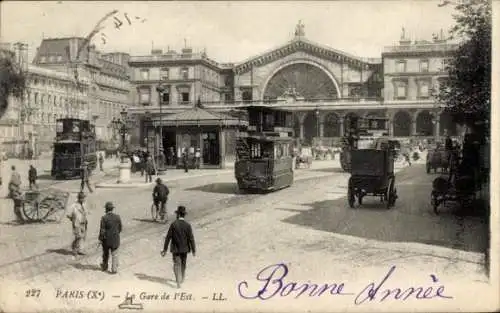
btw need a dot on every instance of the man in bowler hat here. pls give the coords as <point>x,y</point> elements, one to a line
<point>109,236</point>
<point>181,235</point>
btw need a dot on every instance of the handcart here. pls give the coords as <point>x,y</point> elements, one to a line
<point>40,205</point>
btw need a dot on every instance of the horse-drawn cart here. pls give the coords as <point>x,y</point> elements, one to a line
<point>372,173</point>
<point>40,205</point>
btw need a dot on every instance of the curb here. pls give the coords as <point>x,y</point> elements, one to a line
<point>111,184</point>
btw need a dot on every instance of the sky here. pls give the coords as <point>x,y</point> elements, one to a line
<point>228,31</point>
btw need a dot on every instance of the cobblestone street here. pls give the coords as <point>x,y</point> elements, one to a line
<point>308,226</point>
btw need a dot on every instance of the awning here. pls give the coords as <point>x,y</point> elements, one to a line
<point>198,117</point>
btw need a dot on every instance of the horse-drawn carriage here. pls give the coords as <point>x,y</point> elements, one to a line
<point>42,205</point>
<point>437,158</point>
<point>372,174</point>
<point>460,185</point>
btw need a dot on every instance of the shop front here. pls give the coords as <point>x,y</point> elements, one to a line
<point>208,138</point>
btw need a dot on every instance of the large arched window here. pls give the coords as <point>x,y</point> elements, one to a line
<point>300,80</point>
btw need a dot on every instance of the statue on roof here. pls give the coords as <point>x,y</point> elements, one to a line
<point>403,33</point>
<point>299,29</point>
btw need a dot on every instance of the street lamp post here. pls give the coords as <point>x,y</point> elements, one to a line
<point>121,126</point>
<point>160,89</point>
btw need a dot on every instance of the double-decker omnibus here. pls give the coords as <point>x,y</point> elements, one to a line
<point>75,143</point>
<point>264,159</point>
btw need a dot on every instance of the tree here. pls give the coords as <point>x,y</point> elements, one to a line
<point>12,82</point>
<point>467,91</point>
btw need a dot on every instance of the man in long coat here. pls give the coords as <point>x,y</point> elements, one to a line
<point>77,214</point>
<point>85,177</point>
<point>180,234</point>
<point>109,236</point>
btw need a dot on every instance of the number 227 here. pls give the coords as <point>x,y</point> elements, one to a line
<point>32,293</point>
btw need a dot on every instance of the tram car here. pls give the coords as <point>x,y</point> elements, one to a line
<point>75,144</point>
<point>264,151</point>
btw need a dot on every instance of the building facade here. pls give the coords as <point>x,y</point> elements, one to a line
<point>49,95</point>
<point>107,73</point>
<point>322,86</point>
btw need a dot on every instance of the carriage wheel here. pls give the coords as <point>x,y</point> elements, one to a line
<point>390,194</point>
<point>350,194</point>
<point>48,207</point>
<point>30,210</point>
<point>154,212</point>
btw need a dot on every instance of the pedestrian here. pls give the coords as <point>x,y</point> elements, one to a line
<point>109,236</point>
<point>85,177</point>
<point>160,197</point>
<point>150,170</point>
<point>143,164</point>
<point>15,194</point>
<point>32,177</point>
<point>101,162</point>
<point>197,155</point>
<point>185,160</point>
<point>181,235</point>
<point>77,214</point>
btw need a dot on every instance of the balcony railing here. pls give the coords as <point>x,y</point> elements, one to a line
<point>430,47</point>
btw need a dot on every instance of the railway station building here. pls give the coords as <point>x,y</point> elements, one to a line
<point>322,86</point>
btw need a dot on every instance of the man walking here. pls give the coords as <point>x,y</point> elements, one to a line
<point>85,177</point>
<point>185,160</point>
<point>181,235</point>
<point>160,197</point>
<point>109,236</point>
<point>101,162</point>
<point>16,194</point>
<point>78,216</point>
<point>150,169</point>
<point>32,176</point>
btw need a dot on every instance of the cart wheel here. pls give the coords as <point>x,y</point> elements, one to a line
<point>48,207</point>
<point>350,194</point>
<point>390,194</point>
<point>30,210</point>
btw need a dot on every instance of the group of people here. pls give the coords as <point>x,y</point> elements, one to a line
<point>179,237</point>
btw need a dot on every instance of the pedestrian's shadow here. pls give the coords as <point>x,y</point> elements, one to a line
<point>60,251</point>
<point>87,267</point>
<point>154,279</point>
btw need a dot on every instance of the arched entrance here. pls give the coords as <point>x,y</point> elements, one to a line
<point>300,80</point>
<point>402,124</point>
<point>446,124</point>
<point>331,125</point>
<point>425,126</point>
<point>310,127</point>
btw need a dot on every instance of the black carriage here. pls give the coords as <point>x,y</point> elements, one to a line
<point>460,185</point>
<point>372,174</point>
<point>436,158</point>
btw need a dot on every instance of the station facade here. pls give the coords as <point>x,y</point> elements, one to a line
<point>322,86</point>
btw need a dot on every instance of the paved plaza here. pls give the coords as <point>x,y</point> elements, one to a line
<point>309,227</point>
